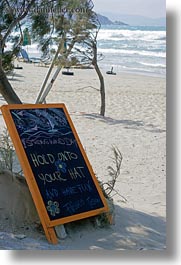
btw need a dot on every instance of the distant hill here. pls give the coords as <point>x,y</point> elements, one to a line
<point>106,21</point>
<point>136,20</point>
<point>143,21</point>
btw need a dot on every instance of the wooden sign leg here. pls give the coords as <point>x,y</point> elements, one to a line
<point>50,234</point>
<point>110,217</point>
<point>52,238</point>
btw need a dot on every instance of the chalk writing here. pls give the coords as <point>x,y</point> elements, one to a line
<point>47,159</point>
<point>43,159</point>
<point>92,202</point>
<point>54,141</point>
<point>72,206</point>
<point>51,177</point>
<point>57,161</point>
<point>76,172</point>
<point>51,193</point>
<point>67,156</point>
<point>77,189</point>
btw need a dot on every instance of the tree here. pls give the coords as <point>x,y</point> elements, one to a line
<point>88,50</point>
<point>73,21</point>
<point>80,28</point>
<point>12,12</point>
<point>71,26</point>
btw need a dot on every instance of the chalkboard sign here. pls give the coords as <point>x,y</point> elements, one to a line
<point>56,167</point>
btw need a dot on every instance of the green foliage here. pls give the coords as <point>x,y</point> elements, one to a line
<point>108,188</point>
<point>6,152</point>
<point>71,24</point>
<point>7,19</point>
<point>7,61</point>
<point>40,25</point>
<point>12,13</point>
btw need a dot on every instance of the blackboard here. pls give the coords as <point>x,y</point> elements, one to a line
<point>57,169</point>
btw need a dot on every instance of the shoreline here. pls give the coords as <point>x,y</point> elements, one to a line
<point>133,72</point>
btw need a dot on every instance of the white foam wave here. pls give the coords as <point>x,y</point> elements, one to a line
<point>133,52</point>
<point>117,34</point>
<point>154,65</point>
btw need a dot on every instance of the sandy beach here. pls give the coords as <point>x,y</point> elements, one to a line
<point>135,123</point>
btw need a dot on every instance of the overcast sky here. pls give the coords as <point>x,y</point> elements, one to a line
<point>148,8</point>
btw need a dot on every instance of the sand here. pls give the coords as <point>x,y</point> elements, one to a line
<point>135,123</point>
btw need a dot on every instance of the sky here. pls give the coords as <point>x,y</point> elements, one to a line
<point>147,8</point>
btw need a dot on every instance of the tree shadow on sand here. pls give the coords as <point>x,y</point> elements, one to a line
<point>128,124</point>
<point>12,76</point>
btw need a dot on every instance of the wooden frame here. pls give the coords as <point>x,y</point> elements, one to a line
<point>48,224</point>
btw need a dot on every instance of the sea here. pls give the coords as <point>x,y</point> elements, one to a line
<point>135,49</point>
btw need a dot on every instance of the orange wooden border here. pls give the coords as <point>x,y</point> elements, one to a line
<point>45,220</point>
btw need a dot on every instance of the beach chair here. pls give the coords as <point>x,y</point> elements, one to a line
<point>111,72</point>
<point>67,72</point>
<point>24,55</point>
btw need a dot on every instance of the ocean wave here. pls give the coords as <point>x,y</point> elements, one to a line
<point>144,70</point>
<point>133,52</point>
<point>131,35</point>
<point>156,65</point>
<point>162,38</point>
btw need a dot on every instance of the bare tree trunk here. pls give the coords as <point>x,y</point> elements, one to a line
<point>7,91</point>
<point>101,79</point>
<point>102,89</point>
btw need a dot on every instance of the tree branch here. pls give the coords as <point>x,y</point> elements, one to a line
<point>16,21</point>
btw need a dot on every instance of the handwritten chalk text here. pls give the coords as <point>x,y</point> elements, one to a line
<point>56,141</point>
<point>51,177</point>
<point>51,194</point>
<point>48,159</point>
<point>73,206</point>
<point>77,189</point>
